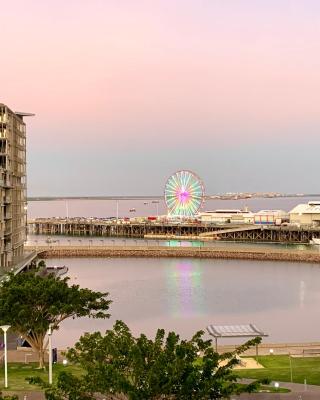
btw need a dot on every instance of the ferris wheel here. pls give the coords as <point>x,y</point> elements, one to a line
<point>184,194</point>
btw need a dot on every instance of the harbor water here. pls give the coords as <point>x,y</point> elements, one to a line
<point>185,295</point>
<point>147,207</point>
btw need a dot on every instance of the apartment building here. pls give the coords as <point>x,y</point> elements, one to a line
<point>12,186</point>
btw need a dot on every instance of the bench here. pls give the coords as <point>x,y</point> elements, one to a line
<point>310,351</point>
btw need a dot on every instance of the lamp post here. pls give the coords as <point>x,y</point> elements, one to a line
<point>117,210</point>
<point>290,365</point>
<point>156,202</point>
<point>5,328</point>
<point>50,354</point>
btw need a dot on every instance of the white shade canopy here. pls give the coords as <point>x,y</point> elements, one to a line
<point>225,331</point>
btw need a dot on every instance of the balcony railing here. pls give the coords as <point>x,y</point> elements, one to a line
<point>8,247</point>
<point>7,183</point>
<point>7,199</point>
<point>8,230</point>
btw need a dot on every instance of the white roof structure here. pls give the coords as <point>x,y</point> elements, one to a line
<point>227,331</point>
<point>310,208</point>
<point>271,212</point>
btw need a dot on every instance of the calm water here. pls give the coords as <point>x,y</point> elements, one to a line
<point>185,295</point>
<point>108,208</point>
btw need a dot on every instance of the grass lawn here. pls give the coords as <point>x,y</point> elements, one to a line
<point>277,368</point>
<point>18,372</point>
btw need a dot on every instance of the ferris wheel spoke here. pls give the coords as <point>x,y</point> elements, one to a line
<point>184,194</point>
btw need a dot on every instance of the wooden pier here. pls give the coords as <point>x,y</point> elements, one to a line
<point>105,228</point>
<point>100,227</point>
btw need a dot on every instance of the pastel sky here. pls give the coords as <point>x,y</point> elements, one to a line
<point>126,92</point>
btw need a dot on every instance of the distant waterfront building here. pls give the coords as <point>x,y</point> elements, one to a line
<point>306,214</point>
<point>227,216</point>
<point>12,186</point>
<point>270,217</point>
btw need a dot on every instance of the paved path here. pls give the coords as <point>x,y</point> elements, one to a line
<point>298,392</point>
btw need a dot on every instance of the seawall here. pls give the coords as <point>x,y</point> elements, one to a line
<point>263,254</point>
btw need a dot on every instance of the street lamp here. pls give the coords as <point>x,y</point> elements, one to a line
<point>50,353</point>
<point>5,328</point>
<point>156,202</point>
<point>290,365</point>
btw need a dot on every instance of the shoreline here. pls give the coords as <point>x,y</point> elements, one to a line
<point>174,252</point>
<point>279,348</point>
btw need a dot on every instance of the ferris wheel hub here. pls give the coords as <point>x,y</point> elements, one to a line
<point>184,194</point>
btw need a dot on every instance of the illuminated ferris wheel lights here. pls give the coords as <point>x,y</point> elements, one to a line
<point>184,194</point>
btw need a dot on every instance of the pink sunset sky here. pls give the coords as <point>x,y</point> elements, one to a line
<point>127,92</point>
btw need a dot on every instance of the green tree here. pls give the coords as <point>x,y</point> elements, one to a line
<point>14,397</point>
<point>120,366</point>
<point>30,303</point>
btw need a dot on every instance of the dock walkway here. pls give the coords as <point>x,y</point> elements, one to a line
<point>105,228</point>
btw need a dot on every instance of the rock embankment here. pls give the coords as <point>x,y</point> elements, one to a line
<point>181,252</point>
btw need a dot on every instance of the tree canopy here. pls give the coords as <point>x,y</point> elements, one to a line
<point>30,303</point>
<point>119,366</point>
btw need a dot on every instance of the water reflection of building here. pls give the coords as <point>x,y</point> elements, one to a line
<point>185,288</point>
<point>302,293</point>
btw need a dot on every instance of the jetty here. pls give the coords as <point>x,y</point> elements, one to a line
<point>95,227</point>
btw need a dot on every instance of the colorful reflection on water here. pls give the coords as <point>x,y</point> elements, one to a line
<point>185,289</point>
<point>185,243</point>
<point>185,295</point>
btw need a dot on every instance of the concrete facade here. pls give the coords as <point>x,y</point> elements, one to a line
<point>271,217</point>
<point>227,216</point>
<point>12,186</point>
<point>306,214</point>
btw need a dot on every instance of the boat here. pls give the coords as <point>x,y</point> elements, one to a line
<point>315,241</point>
<point>49,240</point>
<point>57,270</point>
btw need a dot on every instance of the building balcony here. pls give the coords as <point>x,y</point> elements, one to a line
<point>7,199</point>
<point>7,183</point>
<point>8,247</point>
<point>8,231</point>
